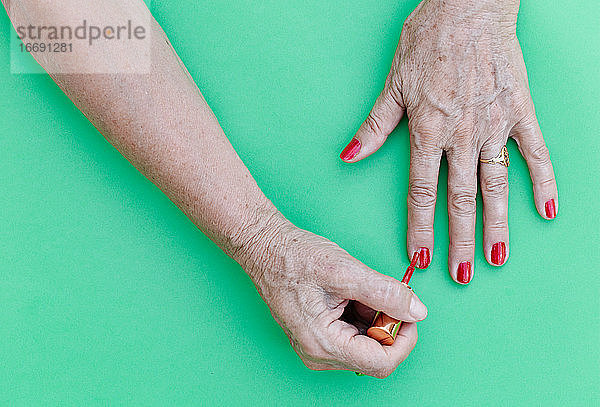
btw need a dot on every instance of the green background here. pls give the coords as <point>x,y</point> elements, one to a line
<point>109,295</point>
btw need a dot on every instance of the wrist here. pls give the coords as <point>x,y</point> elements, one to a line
<point>258,241</point>
<point>502,11</point>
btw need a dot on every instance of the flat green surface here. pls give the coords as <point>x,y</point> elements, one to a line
<point>109,295</point>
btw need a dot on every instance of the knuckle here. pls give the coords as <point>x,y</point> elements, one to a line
<point>549,182</point>
<point>462,245</point>
<point>373,124</point>
<point>420,230</point>
<point>421,194</point>
<point>313,352</point>
<point>462,202</point>
<point>385,290</point>
<point>385,371</point>
<point>393,94</point>
<point>540,154</point>
<point>311,365</point>
<point>495,186</point>
<point>496,225</point>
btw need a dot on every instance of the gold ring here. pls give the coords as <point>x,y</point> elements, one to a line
<point>501,158</point>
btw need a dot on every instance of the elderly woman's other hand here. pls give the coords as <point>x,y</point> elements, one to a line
<point>324,299</point>
<point>459,75</point>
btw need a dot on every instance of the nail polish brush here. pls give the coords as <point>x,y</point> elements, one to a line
<point>385,328</point>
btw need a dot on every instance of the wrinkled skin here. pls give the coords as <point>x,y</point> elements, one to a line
<point>459,75</point>
<point>324,300</point>
<point>321,296</point>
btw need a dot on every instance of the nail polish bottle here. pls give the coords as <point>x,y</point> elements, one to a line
<point>385,328</point>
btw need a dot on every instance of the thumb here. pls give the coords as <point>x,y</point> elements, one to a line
<point>381,121</point>
<point>381,293</point>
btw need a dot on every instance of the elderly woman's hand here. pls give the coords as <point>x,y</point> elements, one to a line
<point>324,299</point>
<point>459,75</point>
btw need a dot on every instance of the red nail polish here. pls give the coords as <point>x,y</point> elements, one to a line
<point>351,150</point>
<point>464,274</point>
<point>551,209</point>
<point>498,253</point>
<point>424,258</point>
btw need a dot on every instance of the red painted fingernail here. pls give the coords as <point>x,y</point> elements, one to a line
<point>551,209</point>
<point>464,272</point>
<point>498,253</point>
<point>351,150</point>
<point>424,258</point>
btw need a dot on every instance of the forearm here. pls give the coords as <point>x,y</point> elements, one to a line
<point>160,122</point>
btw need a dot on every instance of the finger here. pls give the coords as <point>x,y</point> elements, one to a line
<point>381,121</point>
<point>494,191</point>
<point>422,192</point>
<point>405,342</point>
<point>377,291</point>
<point>319,366</point>
<point>362,354</point>
<point>462,191</point>
<point>531,143</point>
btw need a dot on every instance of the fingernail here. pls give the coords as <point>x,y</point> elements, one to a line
<point>464,274</point>
<point>498,253</point>
<point>351,150</point>
<point>550,209</point>
<point>418,310</point>
<point>424,258</point>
